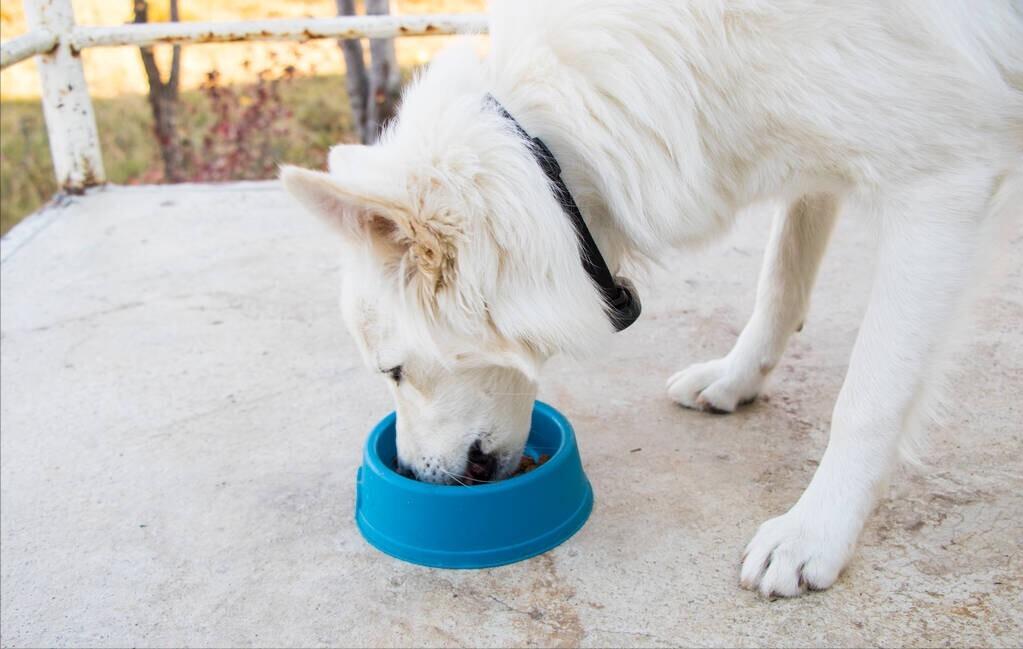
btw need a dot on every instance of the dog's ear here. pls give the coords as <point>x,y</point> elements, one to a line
<point>352,211</point>
<point>394,229</point>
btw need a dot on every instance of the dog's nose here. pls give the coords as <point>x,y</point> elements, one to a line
<point>481,466</point>
<point>402,469</point>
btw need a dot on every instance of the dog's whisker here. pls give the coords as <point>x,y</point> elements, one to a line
<point>453,476</point>
<point>465,477</point>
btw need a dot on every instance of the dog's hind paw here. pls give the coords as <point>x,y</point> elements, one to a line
<point>718,386</point>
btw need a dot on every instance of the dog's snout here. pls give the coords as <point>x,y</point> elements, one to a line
<point>403,470</point>
<point>480,466</point>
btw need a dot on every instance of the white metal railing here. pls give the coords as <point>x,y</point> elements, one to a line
<point>57,42</point>
<point>35,42</point>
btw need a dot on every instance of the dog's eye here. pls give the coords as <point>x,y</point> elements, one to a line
<point>394,373</point>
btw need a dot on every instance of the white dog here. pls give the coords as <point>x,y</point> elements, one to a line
<point>462,271</point>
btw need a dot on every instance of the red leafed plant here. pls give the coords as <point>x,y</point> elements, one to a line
<point>242,129</point>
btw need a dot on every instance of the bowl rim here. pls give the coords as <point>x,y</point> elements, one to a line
<point>559,458</point>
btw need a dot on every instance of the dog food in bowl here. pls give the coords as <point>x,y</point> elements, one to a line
<point>527,464</point>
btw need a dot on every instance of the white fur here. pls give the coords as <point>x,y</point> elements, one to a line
<point>668,118</point>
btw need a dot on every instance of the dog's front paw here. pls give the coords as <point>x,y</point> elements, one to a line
<point>794,553</point>
<point>718,386</point>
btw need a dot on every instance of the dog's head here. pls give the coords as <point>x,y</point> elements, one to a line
<point>460,277</point>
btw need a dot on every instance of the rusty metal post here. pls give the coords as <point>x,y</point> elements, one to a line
<point>34,42</point>
<point>70,121</point>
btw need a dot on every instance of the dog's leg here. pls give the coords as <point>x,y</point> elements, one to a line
<point>798,239</point>
<point>929,246</point>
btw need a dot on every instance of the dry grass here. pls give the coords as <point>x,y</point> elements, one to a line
<point>320,118</point>
<point>116,80</point>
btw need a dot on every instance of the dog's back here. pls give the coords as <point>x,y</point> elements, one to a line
<point>759,98</point>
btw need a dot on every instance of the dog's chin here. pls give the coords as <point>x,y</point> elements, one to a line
<point>505,471</point>
<point>509,463</point>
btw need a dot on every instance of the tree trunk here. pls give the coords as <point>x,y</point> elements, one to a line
<point>385,76</point>
<point>373,97</point>
<point>355,75</point>
<point>163,97</point>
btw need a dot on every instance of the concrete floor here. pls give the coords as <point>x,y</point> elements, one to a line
<point>182,418</point>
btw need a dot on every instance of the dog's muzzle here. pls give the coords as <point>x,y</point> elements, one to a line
<point>480,466</point>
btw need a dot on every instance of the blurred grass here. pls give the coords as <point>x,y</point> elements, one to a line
<point>316,98</point>
<point>320,119</point>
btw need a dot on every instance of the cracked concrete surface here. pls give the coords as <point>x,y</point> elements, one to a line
<point>182,417</point>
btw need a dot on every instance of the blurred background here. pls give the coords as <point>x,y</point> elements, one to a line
<point>211,112</point>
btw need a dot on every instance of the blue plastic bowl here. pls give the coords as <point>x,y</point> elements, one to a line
<point>478,526</point>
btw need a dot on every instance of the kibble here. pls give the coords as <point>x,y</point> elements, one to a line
<point>527,464</point>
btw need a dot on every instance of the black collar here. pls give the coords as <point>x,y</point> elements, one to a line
<point>620,298</point>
